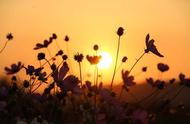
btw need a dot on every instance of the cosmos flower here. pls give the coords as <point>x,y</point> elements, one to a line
<point>95,47</point>
<point>30,70</point>
<point>59,53</point>
<point>64,57</point>
<point>14,68</point>
<point>124,59</point>
<point>150,81</point>
<point>54,36</point>
<point>46,43</point>
<point>78,57</point>
<point>162,67</point>
<point>94,60</point>
<point>184,81</point>
<point>42,77</point>
<point>144,69</point>
<point>160,84</point>
<point>66,38</point>
<point>151,47</point>
<point>127,80</point>
<point>41,56</point>
<point>60,74</point>
<point>9,36</point>
<point>120,31</point>
<point>71,83</point>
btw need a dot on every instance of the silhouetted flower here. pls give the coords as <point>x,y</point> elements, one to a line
<point>184,81</point>
<point>64,57</point>
<point>66,38</point>
<point>41,56</point>
<point>78,57</point>
<point>172,80</point>
<point>160,84</point>
<point>54,36</point>
<point>9,36</point>
<point>38,71</point>
<point>162,67</point>
<point>120,31</point>
<point>93,59</point>
<point>53,67</point>
<point>127,80</point>
<point>42,77</point>
<point>151,47</point>
<point>30,70</point>
<point>46,43</point>
<point>71,83</point>
<point>59,53</point>
<point>95,47</point>
<point>26,84</point>
<point>14,68</point>
<point>150,81</point>
<point>59,75</point>
<point>124,59</point>
<point>38,46</point>
<point>181,77</point>
<point>144,69</point>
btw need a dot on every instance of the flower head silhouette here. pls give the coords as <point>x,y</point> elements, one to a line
<point>9,36</point>
<point>162,67</point>
<point>94,60</point>
<point>120,31</point>
<point>151,47</point>
<point>14,68</point>
<point>66,38</point>
<point>128,80</point>
<point>95,47</point>
<point>78,57</point>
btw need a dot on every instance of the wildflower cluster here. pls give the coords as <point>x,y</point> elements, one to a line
<point>67,98</point>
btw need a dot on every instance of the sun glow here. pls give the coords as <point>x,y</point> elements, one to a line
<point>105,61</point>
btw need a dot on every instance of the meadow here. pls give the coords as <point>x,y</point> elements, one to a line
<point>68,99</point>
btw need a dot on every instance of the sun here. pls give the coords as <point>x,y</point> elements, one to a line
<point>105,61</point>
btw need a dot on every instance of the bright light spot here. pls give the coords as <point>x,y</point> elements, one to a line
<point>105,61</point>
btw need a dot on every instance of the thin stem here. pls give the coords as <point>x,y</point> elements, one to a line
<point>48,62</point>
<point>136,62</point>
<point>115,63</point>
<point>80,73</point>
<point>143,99</point>
<point>179,91</point>
<point>4,47</point>
<point>37,87</point>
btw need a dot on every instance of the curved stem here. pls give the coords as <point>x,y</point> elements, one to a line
<point>4,47</point>
<point>115,63</point>
<point>136,62</point>
<point>36,88</point>
<point>178,92</point>
<point>143,99</point>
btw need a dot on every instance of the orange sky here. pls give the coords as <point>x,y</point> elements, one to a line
<point>90,22</point>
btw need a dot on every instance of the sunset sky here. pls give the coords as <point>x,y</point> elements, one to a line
<point>89,22</point>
